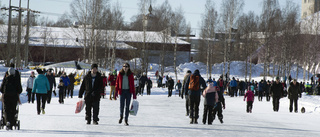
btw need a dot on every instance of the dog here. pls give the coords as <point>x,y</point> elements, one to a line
<point>303,110</point>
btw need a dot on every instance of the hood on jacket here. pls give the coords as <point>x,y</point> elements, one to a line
<point>196,72</point>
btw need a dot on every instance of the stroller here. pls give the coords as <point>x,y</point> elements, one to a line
<point>2,121</point>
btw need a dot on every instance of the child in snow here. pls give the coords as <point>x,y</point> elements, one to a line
<point>61,90</point>
<point>211,97</point>
<point>250,98</point>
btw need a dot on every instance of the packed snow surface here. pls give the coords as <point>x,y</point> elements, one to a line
<point>161,116</point>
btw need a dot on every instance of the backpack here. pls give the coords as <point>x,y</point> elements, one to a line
<point>194,83</point>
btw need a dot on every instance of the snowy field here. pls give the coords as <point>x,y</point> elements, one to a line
<point>161,116</point>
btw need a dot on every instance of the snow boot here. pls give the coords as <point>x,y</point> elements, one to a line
<point>95,123</point>
<point>221,121</point>
<point>126,122</point>
<point>120,120</point>
<point>88,122</point>
<point>191,120</point>
<point>195,121</point>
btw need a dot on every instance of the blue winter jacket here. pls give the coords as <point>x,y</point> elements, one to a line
<point>261,86</point>
<point>233,83</point>
<point>41,84</point>
<point>66,80</point>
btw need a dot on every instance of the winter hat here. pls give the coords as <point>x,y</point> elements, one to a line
<point>197,71</point>
<point>189,71</point>
<point>94,66</point>
<point>11,71</point>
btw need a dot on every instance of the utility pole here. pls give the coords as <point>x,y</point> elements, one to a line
<point>26,57</point>
<point>18,56</point>
<point>9,36</point>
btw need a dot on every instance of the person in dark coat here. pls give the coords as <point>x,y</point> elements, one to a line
<point>261,90</point>
<point>170,86</point>
<point>276,91</point>
<point>11,89</point>
<point>194,95</point>
<point>293,94</point>
<point>71,85</point>
<point>267,91</point>
<point>217,110</point>
<point>179,85</point>
<point>61,90</point>
<point>149,86</point>
<point>185,92</point>
<point>52,83</point>
<point>92,86</point>
<point>142,82</point>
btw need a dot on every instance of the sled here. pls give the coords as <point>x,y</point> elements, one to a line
<point>134,108</point>
<point>80,106</point>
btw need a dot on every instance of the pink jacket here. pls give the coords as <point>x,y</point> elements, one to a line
<point>249,95</point>
<point>211,89</point>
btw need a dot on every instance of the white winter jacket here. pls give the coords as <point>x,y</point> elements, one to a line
<point>30,82</point>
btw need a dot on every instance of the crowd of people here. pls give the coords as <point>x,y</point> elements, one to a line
<point>126,85</point>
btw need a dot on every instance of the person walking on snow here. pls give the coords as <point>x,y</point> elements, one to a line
<point>210,98</point>
<point>92,86</point>
<point>170,86</point>
<point>179,85</point>
<point>41,86</point>
<point>233,85</point>
<point>30,80</point>
<point>250,98</point>
<point>276,91</point>
<point>11,89</point>
<point>125,88</point>
<point>149,86</point>
<point>185,92</point>
<point>293,94</point>
<point>52,83</point>
<point>112,82</point>
<point>192,85</point>
<point>218,107</point>
<point>66,82</point>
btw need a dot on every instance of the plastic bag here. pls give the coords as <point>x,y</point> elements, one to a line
<point>134,108</point>
<point>80,106</point>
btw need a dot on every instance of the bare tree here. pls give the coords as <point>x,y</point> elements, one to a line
<point>248,26</point>
<point>208,24</point>
<point>178,26</point>
<point>269,26</point>
<point>230,12</point>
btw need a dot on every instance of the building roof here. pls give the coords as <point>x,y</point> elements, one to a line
<point>74,37</point>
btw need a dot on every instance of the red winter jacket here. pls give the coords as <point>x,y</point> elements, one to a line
<point>131,85</point>
<point>112,80</point>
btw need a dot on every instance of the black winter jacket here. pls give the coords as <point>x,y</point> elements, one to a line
<point>11,84</point>
<point>91,93</point>
<point>276,90</point>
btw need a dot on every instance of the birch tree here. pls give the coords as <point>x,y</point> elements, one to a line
<point>208,24</point>
<point>230,12</point>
